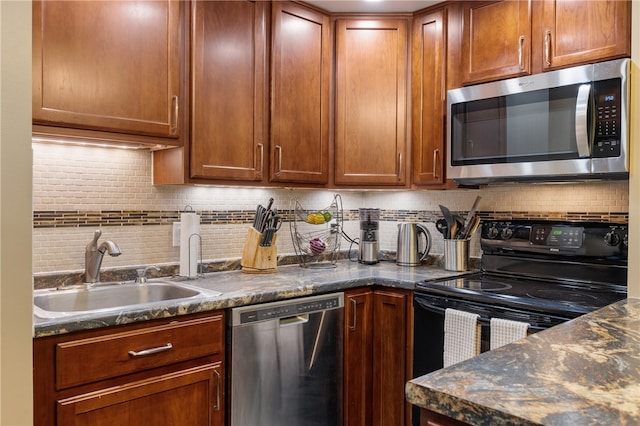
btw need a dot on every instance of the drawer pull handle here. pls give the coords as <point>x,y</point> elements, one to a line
<point>152,350</point>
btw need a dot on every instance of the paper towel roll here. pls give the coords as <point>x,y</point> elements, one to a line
<point>189,244</point>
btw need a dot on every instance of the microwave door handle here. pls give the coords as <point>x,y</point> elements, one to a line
<point>582,133</point>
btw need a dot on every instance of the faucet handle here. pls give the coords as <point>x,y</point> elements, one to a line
<point>142,273</point>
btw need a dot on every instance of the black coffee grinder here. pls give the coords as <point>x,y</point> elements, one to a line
<point>369,246</point>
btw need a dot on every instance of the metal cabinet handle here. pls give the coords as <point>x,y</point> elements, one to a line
<point>278,149</point>
<point>547,48</point>
<point>174,123</point>
<point>354,306</point>
<point>399,166</point>
<point>217,406</point>
<point>152,350</point>
<point>261,167</point>
<point>436,153</point>
<point>520,52</point>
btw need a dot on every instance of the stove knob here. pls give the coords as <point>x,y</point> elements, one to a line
<point>493,232</point>
<point>611,238</point>
<point>507,233</point>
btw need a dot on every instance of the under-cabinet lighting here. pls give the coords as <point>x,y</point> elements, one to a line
<point>94,143</point>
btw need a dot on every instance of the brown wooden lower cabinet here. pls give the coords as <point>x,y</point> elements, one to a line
<point>430,418</point>
<point>378,336</point>
<point>168,371</point>
<point>180,398</point>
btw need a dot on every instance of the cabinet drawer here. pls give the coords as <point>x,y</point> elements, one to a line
<point>88,360</point>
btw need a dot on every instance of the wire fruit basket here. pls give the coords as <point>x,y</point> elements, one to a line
<point>316,234</point>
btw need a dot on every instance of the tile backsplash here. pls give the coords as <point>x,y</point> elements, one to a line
<point>78,189</point>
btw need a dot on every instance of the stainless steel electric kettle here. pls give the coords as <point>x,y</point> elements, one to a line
<point>408,252</point>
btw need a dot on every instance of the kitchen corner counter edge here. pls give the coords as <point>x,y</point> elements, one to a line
<point>585,371</point>
<point>240,289</point>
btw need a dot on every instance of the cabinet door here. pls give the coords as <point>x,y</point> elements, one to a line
<point>496,40</point>
<point>578,32</point>
<point>299,94</point>
<point>228,90</point>
<point>358,365</point>
<point>371,87</point>
<point>390,362</point>
<point>190,397</point>
<point>429,97</point>
<point>109,66</point>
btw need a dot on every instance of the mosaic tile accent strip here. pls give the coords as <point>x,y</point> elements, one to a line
<point>77,218</point>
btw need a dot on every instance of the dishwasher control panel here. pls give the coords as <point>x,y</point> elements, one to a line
<point>286,308</point>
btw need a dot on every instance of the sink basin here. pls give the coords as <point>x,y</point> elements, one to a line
<point>110,297</point>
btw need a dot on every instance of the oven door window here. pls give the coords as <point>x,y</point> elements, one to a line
<point>524,127</point>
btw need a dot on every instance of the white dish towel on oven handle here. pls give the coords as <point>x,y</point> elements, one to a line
<point>506,331</point>
<point>461,336</point>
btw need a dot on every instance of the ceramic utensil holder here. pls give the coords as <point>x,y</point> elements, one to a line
<point>257,259</point>
<point>456,255</point>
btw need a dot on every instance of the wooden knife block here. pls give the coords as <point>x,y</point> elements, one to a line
<point>257,259</point>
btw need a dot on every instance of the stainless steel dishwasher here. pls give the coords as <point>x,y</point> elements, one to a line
<point>286,362</point>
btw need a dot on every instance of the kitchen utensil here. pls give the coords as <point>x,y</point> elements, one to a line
<point>408,252</point>
<point>470,216</point>
<point>262,216</point>
<point>442,227</point>
<point>450,221</point>
<point>453,234</point>
<point>474,227</point>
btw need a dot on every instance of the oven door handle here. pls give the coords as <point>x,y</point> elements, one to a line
<point>483,320</point>
<point>582,131</point>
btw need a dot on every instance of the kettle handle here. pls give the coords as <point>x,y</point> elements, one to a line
<point>427,236</point>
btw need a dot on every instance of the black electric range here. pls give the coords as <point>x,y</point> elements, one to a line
<point>557,268</point>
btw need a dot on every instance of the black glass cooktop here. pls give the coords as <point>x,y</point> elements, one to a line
<point>534,294</point>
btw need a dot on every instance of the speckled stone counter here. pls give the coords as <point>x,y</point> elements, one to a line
<point>240,289</point>
<point>583,372</point>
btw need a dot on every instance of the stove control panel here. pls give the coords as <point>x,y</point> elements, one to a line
<point>557,236</point>
<point>587,239</point>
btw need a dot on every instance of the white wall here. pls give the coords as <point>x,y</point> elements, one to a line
<point>15,214</point>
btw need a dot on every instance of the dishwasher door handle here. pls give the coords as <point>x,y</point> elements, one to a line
<point>294,320</point>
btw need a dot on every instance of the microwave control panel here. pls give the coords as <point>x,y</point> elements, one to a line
<point>606,142</point>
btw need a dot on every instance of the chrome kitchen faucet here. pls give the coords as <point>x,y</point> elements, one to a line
<point>93,257</point>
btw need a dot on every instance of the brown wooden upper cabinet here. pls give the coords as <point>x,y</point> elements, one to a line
<point>578,32</point>
<point>228,90</point>
<point>300,58</point>
<point>509,38</point>
<point>371,111</point>
<point>496,40</point>
<point>108,66</point>
<point>429,56</point>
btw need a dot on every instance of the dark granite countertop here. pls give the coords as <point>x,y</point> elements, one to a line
<point>583,372</point>
<point>240,289</point>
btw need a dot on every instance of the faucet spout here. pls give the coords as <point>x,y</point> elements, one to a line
<point>110,247</point>
<point>93,257</point>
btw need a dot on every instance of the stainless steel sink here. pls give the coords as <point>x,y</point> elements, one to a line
<point>110,297</point>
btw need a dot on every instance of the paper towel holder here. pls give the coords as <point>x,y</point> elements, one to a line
<point>199,265</point>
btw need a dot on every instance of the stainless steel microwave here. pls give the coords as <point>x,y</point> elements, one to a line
<point>555,126</point>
